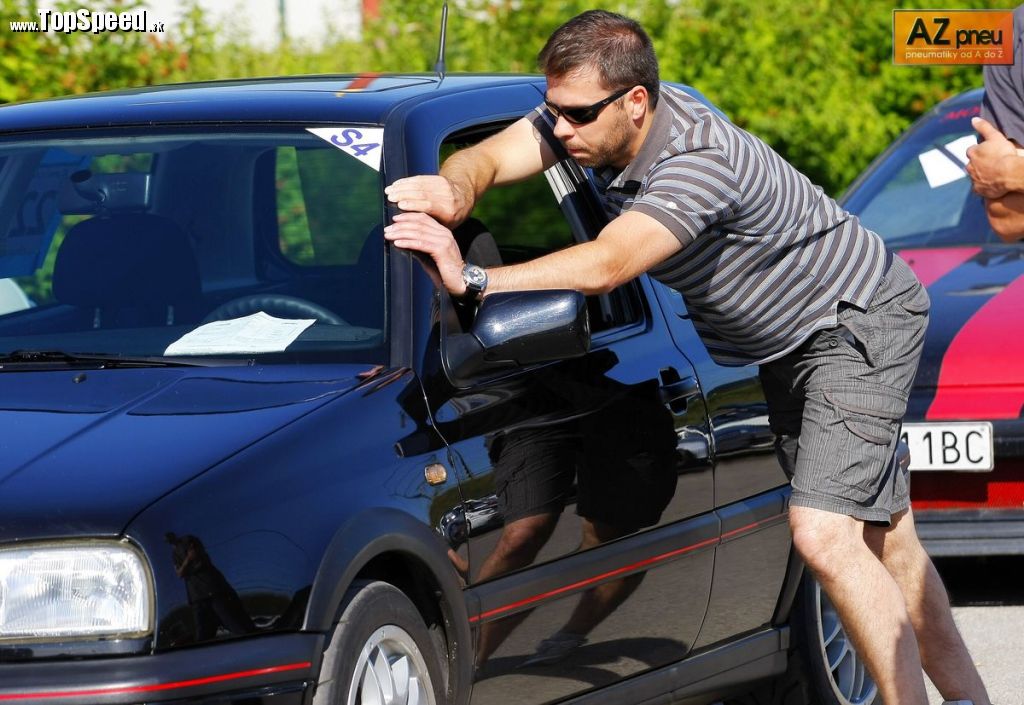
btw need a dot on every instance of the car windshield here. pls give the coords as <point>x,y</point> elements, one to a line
<point>187,246</point>
<point>919,195</point>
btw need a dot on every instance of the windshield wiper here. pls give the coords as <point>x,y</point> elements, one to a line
<point>101,360</point>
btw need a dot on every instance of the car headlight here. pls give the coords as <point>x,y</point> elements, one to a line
<point>68,591</point>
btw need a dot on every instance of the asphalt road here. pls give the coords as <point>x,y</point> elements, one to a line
<point>988,604</point>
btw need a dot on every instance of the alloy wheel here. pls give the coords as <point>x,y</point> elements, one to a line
<point>851,683</point>
<point>390,670</point>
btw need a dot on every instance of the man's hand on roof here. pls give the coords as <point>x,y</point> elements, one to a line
<point>433,195</point>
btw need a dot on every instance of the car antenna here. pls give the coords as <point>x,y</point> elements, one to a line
<point>439,65</point>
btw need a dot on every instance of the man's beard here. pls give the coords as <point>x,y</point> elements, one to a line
<point>611,150</point>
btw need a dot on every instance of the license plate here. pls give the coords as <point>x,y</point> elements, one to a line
<point>961,446</point>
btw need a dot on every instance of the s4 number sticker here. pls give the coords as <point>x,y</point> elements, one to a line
<point>363,143</point>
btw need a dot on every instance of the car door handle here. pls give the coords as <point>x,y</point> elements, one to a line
<point>677,391</point>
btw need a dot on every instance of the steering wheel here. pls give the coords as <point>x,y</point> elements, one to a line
<point>277,305</point>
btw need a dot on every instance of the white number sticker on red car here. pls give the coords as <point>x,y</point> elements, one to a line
<point>960,446</point>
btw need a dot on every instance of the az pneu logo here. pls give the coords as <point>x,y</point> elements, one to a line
<point>928,37</point>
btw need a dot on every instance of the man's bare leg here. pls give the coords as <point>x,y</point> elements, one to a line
<point>943,653</point>
<point>867,597</point>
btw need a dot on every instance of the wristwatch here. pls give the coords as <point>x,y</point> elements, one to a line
<point>475,279</point>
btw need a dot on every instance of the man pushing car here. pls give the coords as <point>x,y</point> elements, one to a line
<point>774,273</point>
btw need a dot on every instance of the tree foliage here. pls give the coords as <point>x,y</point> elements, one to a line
<point>37,65</point>
<point>814,78</point>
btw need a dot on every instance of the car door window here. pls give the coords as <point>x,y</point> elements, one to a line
<point>538,216</point>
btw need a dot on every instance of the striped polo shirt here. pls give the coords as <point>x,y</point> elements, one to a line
<point>767,257</point>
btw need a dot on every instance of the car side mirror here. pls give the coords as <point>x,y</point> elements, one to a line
<point>518,328</point>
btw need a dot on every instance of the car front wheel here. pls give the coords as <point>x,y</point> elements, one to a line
<point>380,652</point>
<point>824,668</point>
<point>836,674</point>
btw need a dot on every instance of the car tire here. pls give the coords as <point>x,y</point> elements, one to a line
<point>380,652</point>
<point>823,667</point>
<point>835,674</point>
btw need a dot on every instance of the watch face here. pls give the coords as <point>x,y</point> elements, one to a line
<point>474,276</point>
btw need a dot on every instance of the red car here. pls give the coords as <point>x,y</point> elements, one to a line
<point>964,422</point>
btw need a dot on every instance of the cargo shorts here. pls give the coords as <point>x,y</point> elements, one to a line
<point>836,403</point>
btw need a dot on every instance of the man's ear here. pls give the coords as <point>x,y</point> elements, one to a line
<point>638,103</point>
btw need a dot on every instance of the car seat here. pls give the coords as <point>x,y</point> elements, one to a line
<point>129,269</point>
<point>477,244</point>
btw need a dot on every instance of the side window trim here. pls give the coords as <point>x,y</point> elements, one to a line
<point>566,193</point>
<point>625,312</point>
<point>577,200</point>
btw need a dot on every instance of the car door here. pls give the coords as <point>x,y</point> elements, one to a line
<point>751,490</point>
<point>587,518</point>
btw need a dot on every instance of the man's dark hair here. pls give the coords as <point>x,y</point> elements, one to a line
<point>617,46</point>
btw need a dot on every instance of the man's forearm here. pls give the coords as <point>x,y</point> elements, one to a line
<point>1006,215</point>
<point>627,247</point>
<point>470,172</point>
<point>512,155</point>
<point>585,267</point>
<point>1013,172</point>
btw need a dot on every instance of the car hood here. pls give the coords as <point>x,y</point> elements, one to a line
<point>81,453</point>
<point>973,361</point>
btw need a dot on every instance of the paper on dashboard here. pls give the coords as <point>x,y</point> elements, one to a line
<point>258,333</point>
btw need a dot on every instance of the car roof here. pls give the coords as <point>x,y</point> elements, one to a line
<point>355,98</point>
<point>968,98</point>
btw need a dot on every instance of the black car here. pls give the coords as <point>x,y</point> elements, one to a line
<point>252,455</point>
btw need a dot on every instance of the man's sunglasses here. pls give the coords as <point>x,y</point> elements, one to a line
<point>588,113</point>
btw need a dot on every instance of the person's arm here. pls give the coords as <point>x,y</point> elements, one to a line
<point>996,169</point>
<point>1006,215</point>
<point>686,195</point>
<point>514,154</point>
<point>1001,102</point>
<point>627,247</point>
<point>995,165</point>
